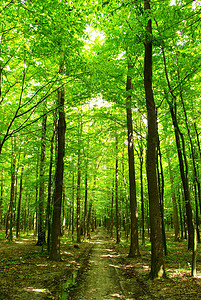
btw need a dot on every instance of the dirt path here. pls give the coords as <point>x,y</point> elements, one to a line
<point>100,280</point>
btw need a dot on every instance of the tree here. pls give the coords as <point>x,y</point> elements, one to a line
<point>134,246</point>
<point>41,199</point>
<point>57,197</point>
<point>157,263</point>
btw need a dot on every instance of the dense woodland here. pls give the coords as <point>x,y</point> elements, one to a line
<point>100,122</point>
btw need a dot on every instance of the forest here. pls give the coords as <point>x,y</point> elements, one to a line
<point>100,127</point>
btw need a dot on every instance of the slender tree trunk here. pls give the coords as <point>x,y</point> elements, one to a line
<point>195,173</point>
<point>142,196</point>
<point>9,229</point>
<point>72,206</point>
<point>194,256</point>
<point>57,197</point>
<point>63,227</point>
<point>157,263</point>
<point>134,243</point>
<point>116,195</point>
<point>49,210</point>
<point>127,216</point>
<point>89,221</point>
<point>182,158</point>
<point>79,184</point>
<point>36,199</point>
<point>184,177</point>
<point>1,199</point>
<point>174,204</point>
<point>41,200</point>
<point>112,212</point>
<point>161,192</point>
<point>85,204</point>
<point>19,206</point>
<point>93,220</point>
<point>197,137</point>
<point>197,221</point>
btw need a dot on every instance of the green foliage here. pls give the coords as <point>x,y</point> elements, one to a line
<point>39,37</point>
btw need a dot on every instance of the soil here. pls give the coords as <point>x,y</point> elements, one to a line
<point>95,269</point>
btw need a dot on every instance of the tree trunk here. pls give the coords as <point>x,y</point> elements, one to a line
<point>57,197</point>
<point>1,199</point>
<point>79,184</point>
<point>72,207</point>
<point>9,229</point>
<point>174,204</point>
<point>63,226</point>
<point>89,221</point>
<point>157,263</point>
<point>41,199</point>
<point>19,206</point>
<point>198,140</point>
<point>116,195</point>
<point>36,199</point>
<point>85,205</point>
<point>134,243</point>
<point>112,212</point>
<point>197,221</point>
<point>181,216</point>
<point>194,256</point>
<point>49,211</point>
<point>195,163</point>
<point>184,177</point>
<point>161,192</point>
<point>142,196</point>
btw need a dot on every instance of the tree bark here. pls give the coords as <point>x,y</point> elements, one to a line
<point>41,199</point>
<point>57,197</point>
<point>85,204</point>
<point>49,211</point>
<point>161,192</point>
<point>89,221</point>
<point>10,217</point>
<point>112,211</point>
<point>174,204</point>
<point>79,184</point>
<point>134,243</point>
<point>116,194</point>
<point>184,178</point>
<point>19,206</point>
<point>72,206</point>
<point>1,199</point>
<point>157,263</point>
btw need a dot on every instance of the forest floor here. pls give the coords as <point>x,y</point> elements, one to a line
<point>96,269</point>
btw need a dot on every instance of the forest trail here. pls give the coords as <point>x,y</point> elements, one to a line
<point>100,280</point>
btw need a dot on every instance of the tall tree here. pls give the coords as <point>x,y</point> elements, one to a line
<point>134,245</point>
<point>19,205</point>
<point>116,193</point>
<point>41,199</point>
<point>10,214</point>
<point>157,262</point>
<point>57,197</point>
<point>79,181</point>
